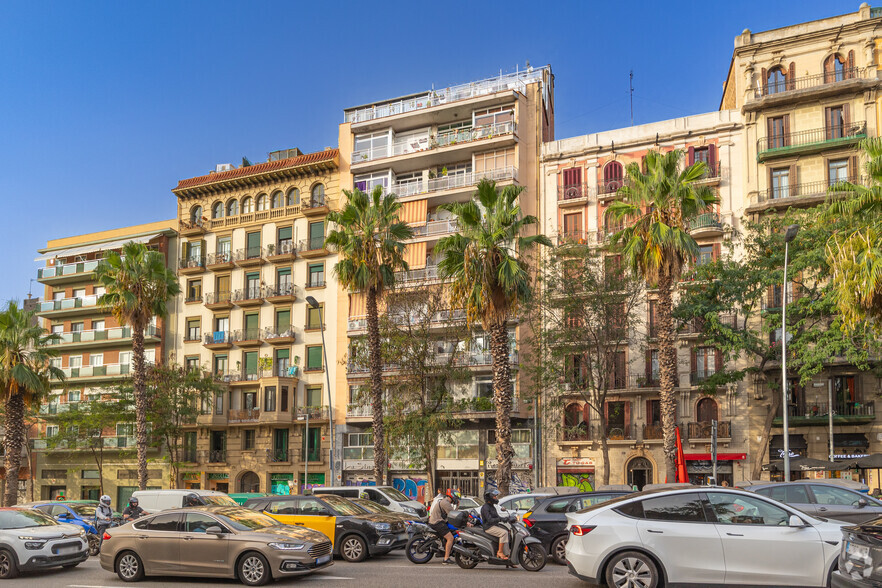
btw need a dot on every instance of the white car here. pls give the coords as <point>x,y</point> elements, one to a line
<point>519,504</point>
<point>32,540</point>
<point>703,536</point>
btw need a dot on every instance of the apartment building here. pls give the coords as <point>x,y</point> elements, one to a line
<point>808,95</point>
<point>94,352</point>
<point>580,177</point>
<point>252,258</point>
<point>431,148</point>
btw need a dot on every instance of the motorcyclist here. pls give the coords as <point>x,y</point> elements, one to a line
<point>132,511</point>
<point>103,516</point>
<point>491,519</point>
<point>438,520</point>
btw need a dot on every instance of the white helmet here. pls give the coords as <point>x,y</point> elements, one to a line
<point>105,500</point>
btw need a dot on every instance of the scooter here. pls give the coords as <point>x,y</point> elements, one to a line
<point>476,546</point>
<point>424,543</point>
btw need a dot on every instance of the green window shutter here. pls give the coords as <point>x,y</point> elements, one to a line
<point>314,358</point>
<point>283,353</point>
<point>284,233</point>
<point>251,322</point>
<point>283,320</point>
<point>253,240</point>
<point>251,362</point>
<point>284,272</point>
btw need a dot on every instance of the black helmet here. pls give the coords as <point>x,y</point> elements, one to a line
<point>133,501</point>
<point>193,500</point>
<point>491,495</point>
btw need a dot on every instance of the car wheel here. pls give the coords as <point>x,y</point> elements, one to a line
<point>631,569</point>
<point>8,567</point>
<point>254,569</point>
<point>559,550</point>
<point>129,567</point>
<point>353,548</point>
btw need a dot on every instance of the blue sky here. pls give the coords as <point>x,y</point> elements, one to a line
<point>104,106</point>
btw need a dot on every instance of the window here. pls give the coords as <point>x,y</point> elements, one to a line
<point>314,317</point>
<point>57,329</point>
<point>58,295</point>
<point>269,399</point>
<point>653,412</point>
<point>79,293</point>
<point>219,404</point>
<point>707,410</point>
<point>193,329</point>
<point>262,202</point>
<point>125,357</point>
<point>705,254</point>
<point>686,508</point>
<point>221,324</point>
<point>316,275</point>
<point>367,182</point>
<point>371,146</point>
<point>572,177</point>
<point>834,496</point>
<point>196,214</point>
<point>705,363</point>
<point>313,396</point>
<point>90,475</point>
<point>251,332</point>
<point>837,171</point>
<point>577,370</point>
<point>459,445</point>
<point>249,363</point>
<point>73,396</point>
<point>736,509</point>
<point>224,248</point>
<point>284,283</point>
<point>293,197</point>
<point>232,208</point>
<point>51,430</point>
<point>572,225</point>
<point>701,154</point>
<point>652,369</point>
<point>96,359</point>
<point>98,325</point>
<point>283,395</point>
<point>780,183</point>
<point>75,361</point>
<point>284,241</point>
<point>844,394</point>
<point>316,236</point>
<point>837,69</point>
<point>779,131</point>
<point>163,522</point>
<point>836,121</point>
<point>776,81</point>
<point>220,365</point>
<point>521,443</point>
<point>494,160</point>
<point>76,327</point>
<point>252,245</point>
<point>493,116</point>
<point>217,210</point>
<point>194,291</point>
<point>314,358</point>
<point>283,321</point>
<point>191,363</point>
<point>199,523</point>
<point>613,174</point>
<point>559,506</point>
<point>248,439</point>
<point>252,286</point>
<point>795,494</point>
<point>318,195</point>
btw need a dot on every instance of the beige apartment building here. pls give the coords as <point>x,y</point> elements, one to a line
<point>432,148</point>
<point>580,177</point>
<point>252,254</point>
<point>94,352</point>
<point>808,94</point>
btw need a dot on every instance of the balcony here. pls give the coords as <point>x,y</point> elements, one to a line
<point>243,416</point>
<point>219,300</point>
<point>249,257</point>
<point>605,235</point>
<point>285,292</point>
<point>436,228</point>
<point>68,306</point>
<point>274,214</point>
<point>214,456</point>
<point>316,455</point>
<point>804,194</point>
<point>773,300</point>
<point>653,432</point>
<point>423,275</point>
<point>192,229</point>
<point>276,336</point>
<point>313,247</point>
<point>574,238</point>
<point>102,338</point>
<point>706,225</point>
<point>575,195</point>
<point>211,419</point>
<point>244,378</point>
<point>608,188</point>
<point>188,455</point>
<point>246,297</point>
<point>250,338</point>
<point>453,182</point>
<point>809,87</point>
<point>316,413</point>
<point>712,175</point>
<point>281,252</point>
<point>810,141</point>
<point>364,412</point>
<point>279,455</point>
<point>68,272</point>
<point>805,413</point>
<point>613,432</point>
<point>316,206</point>
<point>219,261</point>
<point>702,431</point>
<point>219,339</point>
<point>700,377</point>
<point>191,265</point>
<point>110,370</point>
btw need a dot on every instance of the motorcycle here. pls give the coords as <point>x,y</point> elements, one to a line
<point>424,543</point>
<point>476,546</point>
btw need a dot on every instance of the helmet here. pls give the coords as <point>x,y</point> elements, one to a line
<point>133,501</point>
<point>105,499</point>
<point>193,500</point>
<point>454,495</point>
<point>491,495</point>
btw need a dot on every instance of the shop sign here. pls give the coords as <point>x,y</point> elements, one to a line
<point>191,476</point>
<point>281,477</point>
<point>575,461</point>
<point>219,476</point>
<point>358,465</point>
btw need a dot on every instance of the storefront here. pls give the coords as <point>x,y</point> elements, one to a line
<point>798,448</point>
<point>281,483</point>
<point>315,480</point>
<point>577,472</point>
<point>219,481</point>
<point>847,447</point>
<point>700,467</point>
<point>191,480</point>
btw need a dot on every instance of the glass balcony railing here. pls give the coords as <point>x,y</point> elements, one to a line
<point>94,371</point>
<point>443,139</point>
<point>69,303</point>
<point>68,269</point>
<point>112,334</point>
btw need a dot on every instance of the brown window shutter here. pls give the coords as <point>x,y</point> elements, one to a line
<point>648,418</point>
<point>691,155</point>
<point>627,419</point>
<point>850,73</point>
<point>828,123</point>
<point>716,252</point>
<point>693,361</point>
<point>648,365</point>
<point>605,415</point>
<point>786,141</point>
<point>846,115</point>
<point>793,186</point>
<point>765,82</point>
<point>712,158</point>
<point>718,359</point>
<point>791,76</point>
<point>853,168</point>
<point>828,69</point>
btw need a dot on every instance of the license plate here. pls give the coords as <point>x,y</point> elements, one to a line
<point>857,551</point>
<point>67,550</point>
<point>323,559</point>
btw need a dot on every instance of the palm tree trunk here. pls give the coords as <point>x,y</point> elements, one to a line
<point>756,469</point>
<point>375,361</point>
<point>14,437</point>
<point>140,384</point>
<point>503,400</point>
<point>667,374</point>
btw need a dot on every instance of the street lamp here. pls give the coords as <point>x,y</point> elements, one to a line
<point>314,303</point>
<point>789,235</point>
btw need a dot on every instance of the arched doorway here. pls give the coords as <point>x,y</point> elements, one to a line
<point>639,472</point>
<point>249,482</point>
<point>707,410</point>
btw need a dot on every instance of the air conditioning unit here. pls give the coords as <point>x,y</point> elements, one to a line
<point>222,167</point>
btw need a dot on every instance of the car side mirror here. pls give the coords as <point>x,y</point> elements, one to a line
<point>324,513</point>
<point>795,521</point>
<point>214,530</point>
<point>862,503</point>
<point>62,517</point>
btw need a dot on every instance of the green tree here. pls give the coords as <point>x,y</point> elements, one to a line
<point>487,263</point>
<point>138,287</point>
<point>657,206</point>
<point>176,399</point>
<point>854,251</point>
<point>369,240</point>
<point>25,370</point>
<point>91,426</point>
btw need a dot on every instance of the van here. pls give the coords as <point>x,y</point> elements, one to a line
<point>156,500</point>
<point>384,495</point>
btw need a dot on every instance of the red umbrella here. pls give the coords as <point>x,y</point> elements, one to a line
<point>680,462</point>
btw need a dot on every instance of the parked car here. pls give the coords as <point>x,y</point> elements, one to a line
<point>385,495</point>
<point>469,502</point>
<point>373,507</point>
<point>213,542</point>
<point>354,532</point>
<point>32,540</point>
<point>701,535</point>
<point>547,520</point>
<point>860,560</point>
<point>518,504</point>
<point>153,501</point>
<point>82,515</point>
<point>819,498</point>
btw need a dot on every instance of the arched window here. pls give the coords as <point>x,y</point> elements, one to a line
<point>318,195</point>
<point>575,427</point>
<point>639,472</point>
<point>776,81</point>
<point>217,210</point>
<point>249,483</point>
<point>196,214</point>
<point>262,202</point>
<point>837,69</point>
<point>276,200</point>
<point>247,205</point>
<point>707,410</point>
<point>232,207</point>
<point>293,197</point>
<point>613,173</point>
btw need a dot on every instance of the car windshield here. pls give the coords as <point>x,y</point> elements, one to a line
<point>22,519</point>
<point>370,506</point>
<point>395,495</point>
<point>219,500</point>
<point>242,519</point>
<point>343,506</point>
<point>83,510</point>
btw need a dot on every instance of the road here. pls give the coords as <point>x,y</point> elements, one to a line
<point>390,571</point>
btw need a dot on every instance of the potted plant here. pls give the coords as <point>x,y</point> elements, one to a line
<point>444,171</point>
<point>270,249</point>
<point>431,174</point>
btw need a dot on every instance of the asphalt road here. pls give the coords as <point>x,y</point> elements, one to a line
<point>389,571</point>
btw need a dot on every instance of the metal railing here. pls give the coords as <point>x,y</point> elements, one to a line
<point>576,238</point>
<point>220,338</point>
<point>68,269</point>
<point>189,454</point>
<point>358,452</point>
<point>219,258</point>
<point>252,293</point>
<point>766,89</point>
<point>217,456</point>
<point>703,430</point>
<point>314,202</point>
<point>467,135</point>
<point>455,180</point>
<point>653,431</point>
<point>285,289</point>
<point>91,371</point>
<point>317,454</point>
<point>705,221</point>
<point>430,272</point>
<point>253,334</point>
<point>440,227</point>
<point>804,409</point>
<point>424,143</point>
<point>812,136</point>
<point>218,297</point>
<point>574,192</point>
<point>312,244</point>
<point>805,190</point>
<point>316,281</point>
<point>192,262</point>
<point>279,455</point>
<point>315,412</point>
<point>243,415</point>
<point>69,303</point>
<point>773,300</point>
<point>248,253</point>
<point>285,247</point>
<point>275,333</point>
<point>359,410</point>
<point>696,378</point>
<point>714,171</point>
<point>610,186</point>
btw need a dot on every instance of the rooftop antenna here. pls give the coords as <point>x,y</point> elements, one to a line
<point>631,87</point>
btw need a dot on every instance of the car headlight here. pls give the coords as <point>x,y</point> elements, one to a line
<point>382,527</point>
<point>409,510</point>
<point>287,546</point>
<point>32,542</point>
<point>82,532</point>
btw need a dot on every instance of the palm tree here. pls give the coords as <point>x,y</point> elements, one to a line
<point>370,242</point>
<point>490,280</point>
<point>24,373</point>
<point>138,286</point>
<point>855,254</point>
<point>658,206</point>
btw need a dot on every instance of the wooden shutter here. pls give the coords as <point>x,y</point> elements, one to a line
<point>853,168</point>
<point>849,64</point>
<point>605,417</point>
<point>786,141</point>
<point>648,366</point>
<point>765,82</point>
<point>793,182</point>
<point>771,140</point>
<point>791,76</point>
<point>718,361</point>
<point>846,119</point>
<point>628,420</point>
<point>828,123</point>
<point>712,159</point>
<point>572,176</point>
<point>691,155</point>
<point>586,414</point>
<point>716,252</point>
<point>648,418</point>
<point>828,69</point>
<point>693,361</point>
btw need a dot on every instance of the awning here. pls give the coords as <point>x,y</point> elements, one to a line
<point>796,442</point>
<point>851,440</point>
<point>720,456</point>
<point>105,246</point>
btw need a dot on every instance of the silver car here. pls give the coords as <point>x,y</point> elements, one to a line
<point>823,500</point>
<point>32,540</point>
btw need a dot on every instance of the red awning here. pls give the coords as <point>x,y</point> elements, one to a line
<point>720,456</point>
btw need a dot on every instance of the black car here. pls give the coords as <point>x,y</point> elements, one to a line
<point>823,499</point>
<point>356,533</point>
<point>860,562</point>
<point>548,519</point>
